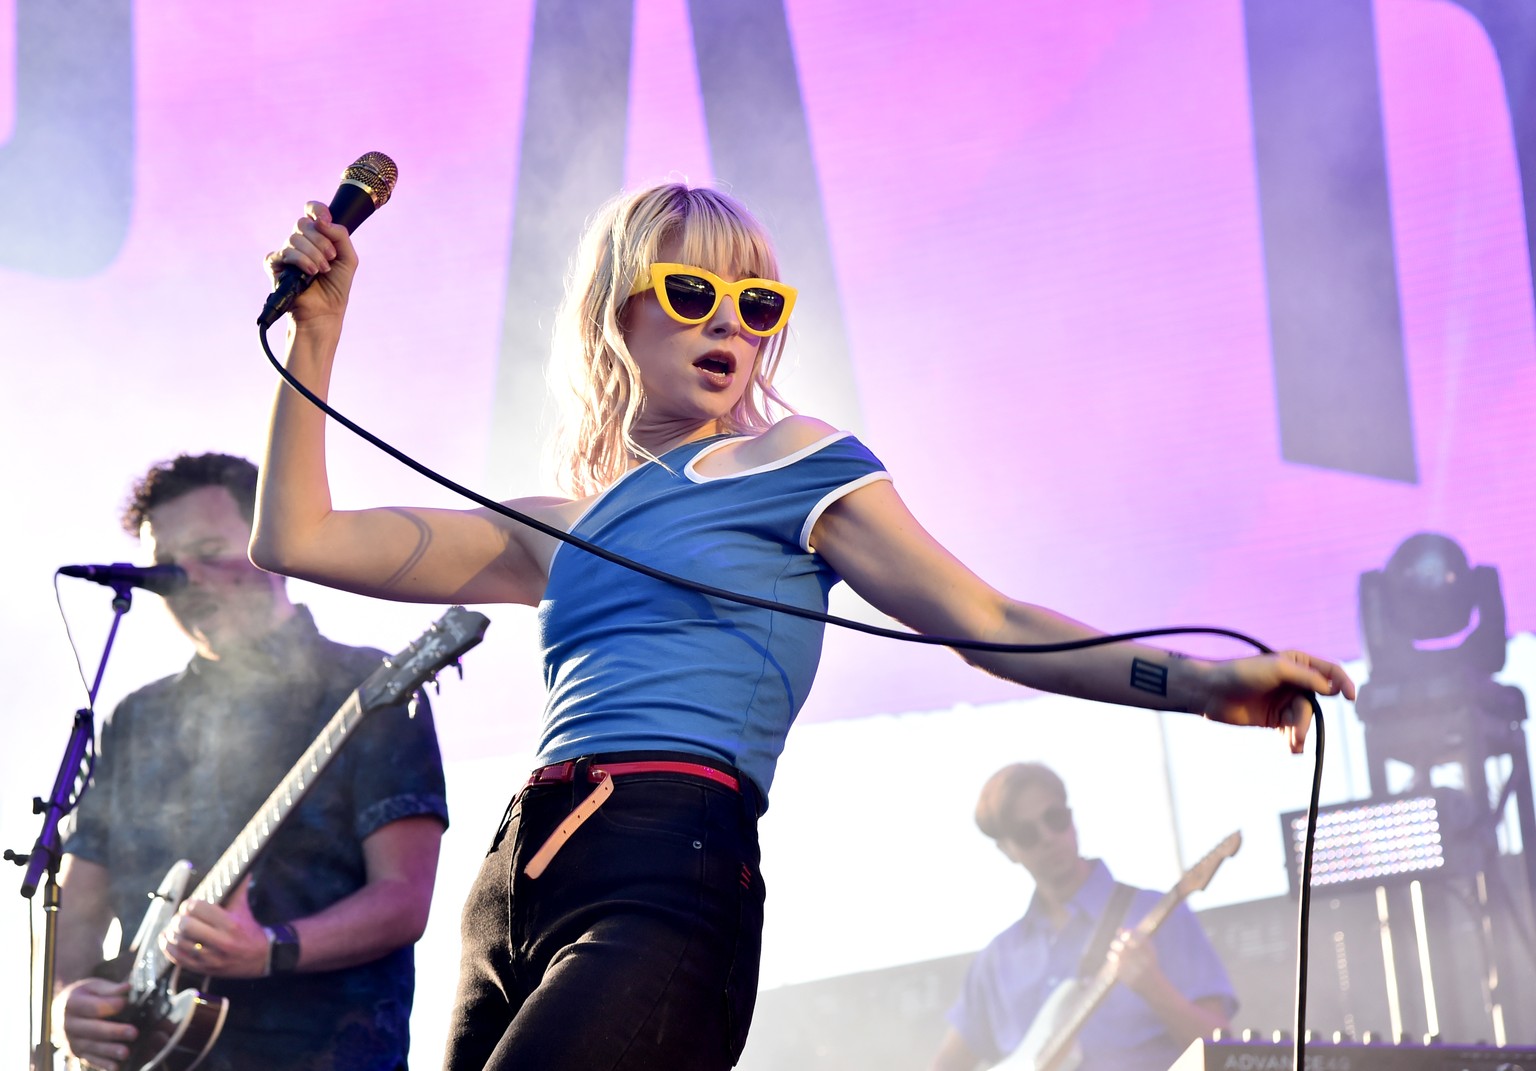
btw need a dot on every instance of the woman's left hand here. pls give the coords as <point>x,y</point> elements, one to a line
<point>1271,691</point>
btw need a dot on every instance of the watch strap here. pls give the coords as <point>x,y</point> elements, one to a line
<point>282,948</point>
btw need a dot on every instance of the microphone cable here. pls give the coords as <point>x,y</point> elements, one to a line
<point>724,593</point>
<point>1108,638</point>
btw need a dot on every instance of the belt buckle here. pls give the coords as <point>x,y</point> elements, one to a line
<point>555,774</point>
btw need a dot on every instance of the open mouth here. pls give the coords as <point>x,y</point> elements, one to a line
<point>720,364</point>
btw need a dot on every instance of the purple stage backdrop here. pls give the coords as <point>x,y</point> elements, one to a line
<point>1159,313</point>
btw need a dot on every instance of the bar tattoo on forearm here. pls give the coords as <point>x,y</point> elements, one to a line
<point>1149,677</point>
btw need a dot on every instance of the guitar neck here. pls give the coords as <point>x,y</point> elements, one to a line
<point>237,859</point>
<point>1160,911</point>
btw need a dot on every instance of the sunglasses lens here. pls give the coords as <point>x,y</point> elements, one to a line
<point>761,310</point>
<point>691,298</point>
<point>1057,819</point>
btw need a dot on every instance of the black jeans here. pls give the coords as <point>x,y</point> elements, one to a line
<point>637,948</point>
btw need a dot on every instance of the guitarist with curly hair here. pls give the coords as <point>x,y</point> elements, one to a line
<point>308,964</point>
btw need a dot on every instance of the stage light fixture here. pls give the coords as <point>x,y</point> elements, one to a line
<point>1433,715</point>
<point>1434,630</point>
<point>1383,841</point>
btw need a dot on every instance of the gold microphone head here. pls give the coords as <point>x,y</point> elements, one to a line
<point>375,174</point>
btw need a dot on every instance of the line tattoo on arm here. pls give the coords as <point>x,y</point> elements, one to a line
<point>1149,677</point>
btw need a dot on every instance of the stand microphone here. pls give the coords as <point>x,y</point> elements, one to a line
<point>72,779</point>
<point>161,579</point>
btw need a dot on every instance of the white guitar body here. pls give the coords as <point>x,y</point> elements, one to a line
<point>177,1026</point>
<point>1054,1015</point>
<point>144,975</point>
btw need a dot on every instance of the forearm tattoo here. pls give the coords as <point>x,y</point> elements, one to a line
<point>1149,677</point>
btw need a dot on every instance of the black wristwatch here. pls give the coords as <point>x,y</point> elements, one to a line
<point>282,949</point>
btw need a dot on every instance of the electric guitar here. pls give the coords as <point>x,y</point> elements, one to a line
<point>177,1026</point>
<point>1051,1042</point>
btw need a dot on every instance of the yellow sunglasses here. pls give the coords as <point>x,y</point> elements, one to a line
<point>691,295</point>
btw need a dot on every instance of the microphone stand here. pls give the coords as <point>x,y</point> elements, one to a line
<point>43,861</point>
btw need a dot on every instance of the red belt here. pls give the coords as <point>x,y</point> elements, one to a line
<point>602,774</point>
<point>564,772</point>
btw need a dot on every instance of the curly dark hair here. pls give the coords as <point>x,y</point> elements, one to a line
<point>188,472</point>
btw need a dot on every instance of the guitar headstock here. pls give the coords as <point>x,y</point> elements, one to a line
<point>440,646</point>
<point>1200,875</point>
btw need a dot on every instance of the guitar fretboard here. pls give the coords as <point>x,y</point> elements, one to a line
<point>236,861</point>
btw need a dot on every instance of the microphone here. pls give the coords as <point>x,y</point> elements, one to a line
<point>365,186</point>
<point>161,579</point>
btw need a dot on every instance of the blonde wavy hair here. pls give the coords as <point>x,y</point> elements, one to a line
<point>596,383</point>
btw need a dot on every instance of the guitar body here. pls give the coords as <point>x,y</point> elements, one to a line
<point>177,1026</point>
<point>177,1031</point>
<point>1040,1051</point>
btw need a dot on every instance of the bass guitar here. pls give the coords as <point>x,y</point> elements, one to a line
<point>177,1024</point>
<point>1051,1042</point>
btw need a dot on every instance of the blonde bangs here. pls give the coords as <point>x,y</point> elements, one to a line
<point>597,384</point>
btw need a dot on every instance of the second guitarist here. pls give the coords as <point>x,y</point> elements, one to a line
<point>1171,990</point>
<point>184,764</point>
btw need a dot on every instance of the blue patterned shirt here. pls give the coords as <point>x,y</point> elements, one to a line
<point>186,762</point>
